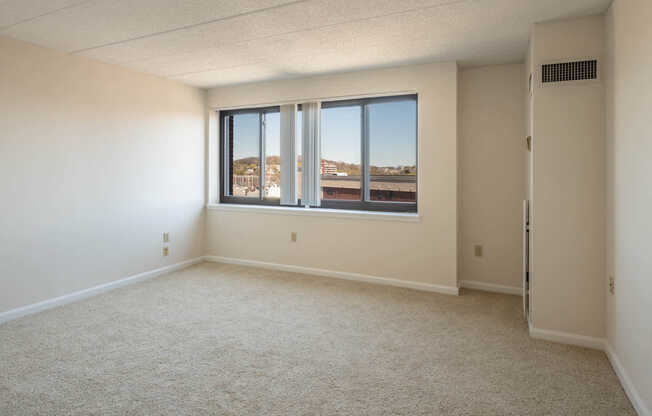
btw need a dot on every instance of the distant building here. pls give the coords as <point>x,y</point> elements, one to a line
<point>381,188</point>
<point>249,182</point>
<point>328,168</point>
<point>273,191</point>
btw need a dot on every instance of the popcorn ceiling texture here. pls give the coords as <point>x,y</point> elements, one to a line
<point>209,43</point>
<point>231,340</point>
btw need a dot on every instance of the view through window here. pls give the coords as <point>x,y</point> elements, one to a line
<point>392,130</point>
<point>368,154</point>
<point>272,124</point>
<point>245,148</point>
<point>248,134</point>
<point>341,138</point>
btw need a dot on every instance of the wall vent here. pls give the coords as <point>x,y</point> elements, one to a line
<point>569,71</point>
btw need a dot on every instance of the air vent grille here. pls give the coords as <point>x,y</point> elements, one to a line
<point>569,71</point>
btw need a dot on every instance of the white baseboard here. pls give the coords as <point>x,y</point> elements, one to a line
<point>631,391</point>
<point>490,287</point>
<point>448,290</point>
<point>568,338</point>
<point>96,290</point>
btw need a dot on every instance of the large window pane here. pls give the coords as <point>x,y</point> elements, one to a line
<point>340,153</point>
<point>272,155</point>
<point>244,133</point>
<point>392,151</point>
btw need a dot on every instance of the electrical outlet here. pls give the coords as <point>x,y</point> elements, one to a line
<point>166,237</point>
<point>477,250</point>
<point>612,285</point>
<point>166,251</point>
<point>293,236</point>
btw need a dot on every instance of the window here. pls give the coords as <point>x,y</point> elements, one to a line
<point>341,151</point>
<point>367,155</point>
<point>248,176</point>
<point>271,124</point>
<point>392,145</point>
<point>245,179</point>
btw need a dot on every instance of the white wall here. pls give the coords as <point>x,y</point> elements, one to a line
<point>422,252</point>
<point>569,190</point>
<point>95,163</point>
<point>492,143</point>
<point>629,192</point>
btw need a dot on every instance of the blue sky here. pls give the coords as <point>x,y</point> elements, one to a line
<point>245,128</point>
<point>392,130</point>
<point>392,133</point>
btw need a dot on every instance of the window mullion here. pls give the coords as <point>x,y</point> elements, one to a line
<point>225,165</point>
<point>362,152</point>
<point>261,138</point>
<point>228,154</point>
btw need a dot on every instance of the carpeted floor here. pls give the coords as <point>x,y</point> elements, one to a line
<point>230,340</point>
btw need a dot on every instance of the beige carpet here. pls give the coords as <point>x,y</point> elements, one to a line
<point>230,340</point>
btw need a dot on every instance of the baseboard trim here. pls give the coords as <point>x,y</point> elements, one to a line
<point>626,382</point>
<point>490,287</point>
<point>92,291</point>
<point>568,338</point>
<point>448,290</point>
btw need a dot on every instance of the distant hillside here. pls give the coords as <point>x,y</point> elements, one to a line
<point>274,160</point>
<point>246,161</point>
<point>241,165</point>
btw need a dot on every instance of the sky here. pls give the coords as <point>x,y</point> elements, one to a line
<point>392,132</point>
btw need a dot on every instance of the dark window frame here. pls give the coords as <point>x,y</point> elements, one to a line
<point>226,163</point>
<point>364,204</point>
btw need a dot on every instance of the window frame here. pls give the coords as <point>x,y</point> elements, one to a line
<point>364,204</point>
<point>225,165</point>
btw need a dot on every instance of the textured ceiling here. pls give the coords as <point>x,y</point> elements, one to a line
<point>218,42</point>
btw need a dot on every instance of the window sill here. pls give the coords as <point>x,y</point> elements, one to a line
<point>318,212</point>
